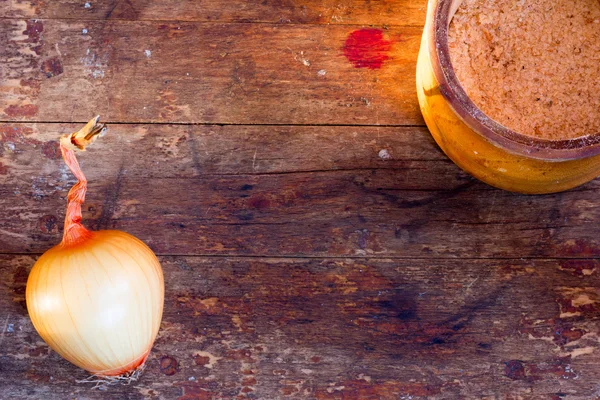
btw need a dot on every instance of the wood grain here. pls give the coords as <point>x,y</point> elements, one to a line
<point>201,73</point>
<point>341,329</point>
<point>315,241</point>
<point>203,190</point>
<point>380,12</point>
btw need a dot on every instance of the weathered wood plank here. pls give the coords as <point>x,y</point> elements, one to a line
<point>380,12</point>
<point>226,191</point>
<point>67,70</point>
<point>341,329</point>
<point>186,151</point>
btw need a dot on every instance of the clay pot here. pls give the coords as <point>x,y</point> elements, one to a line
<point>482,147</point>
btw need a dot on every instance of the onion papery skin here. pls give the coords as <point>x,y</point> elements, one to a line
<point>98,301</point>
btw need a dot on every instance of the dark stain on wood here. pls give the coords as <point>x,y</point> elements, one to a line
<point>34,30</point>
<point>529,371</point>
<point>21,111</point>
<point>52,67</point>
<point>168,365</point>
<point>49,224</point>
<point>122,9</point>
<point>515,369</point>
<point>259,202</point>
<point>580,268</point>
<point>51,150</point>
<point>582,247</point>
<point>111,201</point>
<point>17,134</point>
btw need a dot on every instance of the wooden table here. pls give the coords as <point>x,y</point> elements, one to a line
<point>316,243</point>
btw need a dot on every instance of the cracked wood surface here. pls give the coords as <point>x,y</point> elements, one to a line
<point>308,253</point>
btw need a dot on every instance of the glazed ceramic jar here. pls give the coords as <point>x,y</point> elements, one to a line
<point>482,147</point>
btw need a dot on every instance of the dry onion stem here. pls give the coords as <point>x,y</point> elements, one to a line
<point>97,297</point>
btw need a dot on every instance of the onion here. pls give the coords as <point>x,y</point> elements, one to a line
<point>97,297</point>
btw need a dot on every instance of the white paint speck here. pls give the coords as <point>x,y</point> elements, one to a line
<point>502,170</point>
<point>87,5</point>
<point>94,63</point>
<point>84,31</point>
<point>10,146</point>
<point>187,74</point>
<point>321,72</point>
<point>385,155</point>
<point>10,328</point>
<point>300,57</point>
<point>192,378</point>
<point>148,53</point>
<point>475,152</point>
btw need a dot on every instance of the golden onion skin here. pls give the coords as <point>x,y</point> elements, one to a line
<point>98,302</point>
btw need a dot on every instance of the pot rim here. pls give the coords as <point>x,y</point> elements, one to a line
<point>452,90</point>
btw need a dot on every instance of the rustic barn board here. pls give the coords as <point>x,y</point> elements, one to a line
<point>198,150</point>
<point>315,241</point>
<point>379,12</point>
<point>204,190</point>
<point>67,70</point>
<point>341,329</point>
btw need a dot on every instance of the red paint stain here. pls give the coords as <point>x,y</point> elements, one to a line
<point>27,110</point>
<point>366,48</point>
<point>3,169</point>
